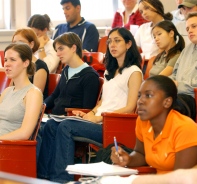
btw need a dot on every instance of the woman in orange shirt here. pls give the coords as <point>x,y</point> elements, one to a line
<point>165,139</point>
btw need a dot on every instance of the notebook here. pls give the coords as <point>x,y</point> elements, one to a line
<point>60,118</point>
<point>99,169</point>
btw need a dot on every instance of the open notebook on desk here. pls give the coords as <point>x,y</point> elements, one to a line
<point>60,118</point>
<point>99,169</point>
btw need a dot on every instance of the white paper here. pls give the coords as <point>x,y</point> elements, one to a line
<point>99,169</point>
<point>60,118</point>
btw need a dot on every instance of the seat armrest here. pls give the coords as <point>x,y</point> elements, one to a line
<point>69,110</point>
<point>17,142</point>
<point>120,125</point>
<point>118,115</point>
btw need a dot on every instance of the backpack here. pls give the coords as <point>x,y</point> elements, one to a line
<point>103,154</point>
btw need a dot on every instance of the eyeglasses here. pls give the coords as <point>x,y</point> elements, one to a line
<point>116,41</point>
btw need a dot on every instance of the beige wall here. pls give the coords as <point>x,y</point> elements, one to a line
<point>169,5</point>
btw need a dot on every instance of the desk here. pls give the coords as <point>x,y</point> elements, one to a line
<point>7,178</point>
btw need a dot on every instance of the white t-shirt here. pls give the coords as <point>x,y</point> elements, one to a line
<point>145,41</point>
<point>115,91</point>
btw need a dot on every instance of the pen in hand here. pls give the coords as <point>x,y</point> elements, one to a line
<point>116,145</point>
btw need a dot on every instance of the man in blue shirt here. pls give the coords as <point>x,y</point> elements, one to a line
<point>75,23</point>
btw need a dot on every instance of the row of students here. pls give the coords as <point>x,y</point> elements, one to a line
<point>152,104</point>
<point>122,55</point>
<point>117,51</point>
<point>156,100</point>
<point>37,39</point>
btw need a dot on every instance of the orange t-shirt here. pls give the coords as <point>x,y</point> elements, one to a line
<point>179,133</point>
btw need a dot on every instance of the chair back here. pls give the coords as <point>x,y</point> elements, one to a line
<point>95,59</point>
<point>120,125</point>
<point>102,45</point>
<point>60,67</point>
<point>149,66</point>
<point>35,132</point>
<point>53,81</point>
<point>4,81</point>
<point>2,57</point>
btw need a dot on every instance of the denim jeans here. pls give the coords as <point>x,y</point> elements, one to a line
<point>39,139</point>
<point>57,147</point>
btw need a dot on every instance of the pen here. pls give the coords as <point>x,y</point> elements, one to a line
<point>116,145</point>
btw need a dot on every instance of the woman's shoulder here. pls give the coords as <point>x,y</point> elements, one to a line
<point>132,68</point>
<point>6,90</point>
<point>181,120</point>
<point>33,90</point>
<point>145,26</point>
<point>40,64</point>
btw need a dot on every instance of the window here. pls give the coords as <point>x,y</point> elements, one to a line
<point>1,15</point>
<point>90,10</point>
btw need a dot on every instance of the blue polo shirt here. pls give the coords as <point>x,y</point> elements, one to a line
<point>87,32</point>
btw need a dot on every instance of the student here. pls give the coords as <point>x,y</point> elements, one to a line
<point>79,83</point>
<point>41,25</point>
<point>184,72</point>
<point>122,81</point>
<point>153,11</point>
<point>171,42</point>
<point>187,6</point>
<point>20,105</point>
<point>130,15</point>
<point>75,23</point>
<point>165,139</point>
<point>177,14</point>
<point>41,77</point>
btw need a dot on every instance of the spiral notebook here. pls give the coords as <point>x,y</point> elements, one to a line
<point>99,169</point>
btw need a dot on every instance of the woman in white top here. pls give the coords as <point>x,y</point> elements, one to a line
<point>153,11</point>
<point>20,104</point>
<point>123,77</point>
<point>41,25</point>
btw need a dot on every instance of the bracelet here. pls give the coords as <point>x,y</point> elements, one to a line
<point>41,49</point>
<point>93,112</point>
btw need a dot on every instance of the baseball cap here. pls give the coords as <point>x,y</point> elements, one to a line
<point>188,3</point>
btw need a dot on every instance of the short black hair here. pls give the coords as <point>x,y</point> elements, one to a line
<point>73,2</point>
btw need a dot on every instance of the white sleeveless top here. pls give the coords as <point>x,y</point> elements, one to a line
<point>12,109</point>
<point>115,91</point>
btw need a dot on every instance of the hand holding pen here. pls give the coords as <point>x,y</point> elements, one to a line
<point>118,155</point>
